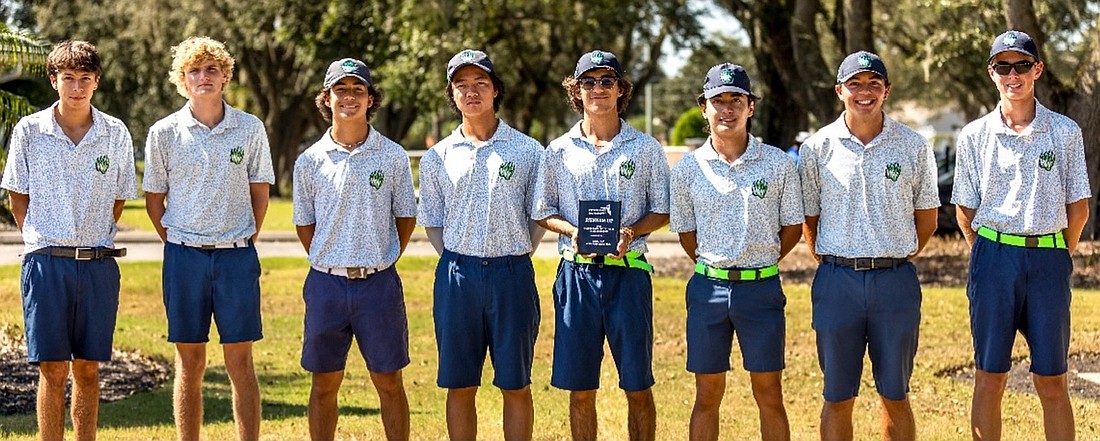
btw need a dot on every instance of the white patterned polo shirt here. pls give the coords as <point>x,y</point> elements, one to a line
<point>631,169</point>
<point>736,209</point>
<point>481,195</point>
<point>352,198</point>
<point>206,173</point>
<point>1020,183</point>
<point>866,195</point>
<point>72,187</point>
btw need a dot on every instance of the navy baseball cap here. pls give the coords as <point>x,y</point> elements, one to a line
<point>469,57</point>
<point>347,67</point>
<point>1014,41</point>
<point>726,77</point>
<point>598,59</point>
<point>861,61</point>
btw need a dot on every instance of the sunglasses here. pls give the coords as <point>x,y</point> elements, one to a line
<point>589,83</point>
<point>1021,67</point>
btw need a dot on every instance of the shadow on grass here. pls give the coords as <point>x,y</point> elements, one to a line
<point>154,407</point>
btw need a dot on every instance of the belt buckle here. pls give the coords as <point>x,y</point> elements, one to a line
<point>1031,241</point>
<point>598,260</point>
<point>863,263</point>
<point>208,247</point>
<point>90,253</point>
<point>357,272</point>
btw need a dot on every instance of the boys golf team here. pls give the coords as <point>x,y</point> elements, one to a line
<point>863,195</point>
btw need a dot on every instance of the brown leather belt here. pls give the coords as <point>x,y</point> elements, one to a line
<point>81,253</point>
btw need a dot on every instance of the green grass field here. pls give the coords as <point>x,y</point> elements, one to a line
<point>941,404</point>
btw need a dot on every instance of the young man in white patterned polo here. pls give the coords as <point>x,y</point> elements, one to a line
<point>870,196</point>
<point>476,189</point>
<point>207,177</point>
<point>355,209</point>
<point>602,158</point>
<point>737,205</point>
<point>1021,193</point>
<point>70,167</point>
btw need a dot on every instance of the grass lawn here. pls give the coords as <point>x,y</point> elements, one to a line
<point>941,405</point>
<point>279,213</point>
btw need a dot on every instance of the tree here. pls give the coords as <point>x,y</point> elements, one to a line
<point>21,53</point>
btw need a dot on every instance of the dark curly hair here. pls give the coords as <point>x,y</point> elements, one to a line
<point>326,111</point>
<point>573,91</point>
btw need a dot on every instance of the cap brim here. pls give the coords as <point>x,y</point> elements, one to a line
<point>578,74</point>
<point>849,76</point>
<point>1011,49</point>
<point>337,79</point>
<point>451,72</point>
<point>711,93</point>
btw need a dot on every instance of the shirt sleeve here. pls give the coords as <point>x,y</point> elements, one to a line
<point>431,211</point>
<point>791,211</point>
<point>127,176</point>
<point>155,178</point>
<point>1077,175</point>
<point>532,181</point>
<point>15,169</point>
<point>926,191</point>
<point>304,212</point>
<point>404,197</point>
<point>545,201</point>
<point>964,189</point>
<point>259,157</point>
<point>681,216</point>
<point>810,179</point>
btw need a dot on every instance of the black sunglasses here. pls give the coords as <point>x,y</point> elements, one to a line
<point>589,83</point>
<point>1021,67</point>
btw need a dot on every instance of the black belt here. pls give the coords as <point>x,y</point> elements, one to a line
<point>80,253</point>
<point>865,263</point>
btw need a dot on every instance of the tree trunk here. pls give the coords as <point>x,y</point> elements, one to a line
<point>858,31</point>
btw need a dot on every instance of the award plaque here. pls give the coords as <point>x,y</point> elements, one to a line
<point>598,227</point>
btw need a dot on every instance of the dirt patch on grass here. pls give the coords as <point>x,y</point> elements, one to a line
<point>126,374</point>
<point>944,263</point>
<point>1019,378</point>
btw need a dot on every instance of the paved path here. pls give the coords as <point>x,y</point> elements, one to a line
<point>142,246</point>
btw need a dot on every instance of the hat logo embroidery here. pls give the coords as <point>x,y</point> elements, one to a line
<point>236,155</point>
<point>467,55</point>
<point>727,76</point>
<point>376,179</point>
<point>893,171</point>
<point>507,169</point>
<point>1010,39</point>
<point>626,169</point>
<point>102,163</point>
<point>1046,160</point>
<point>597,58</point>
<point>760,188</point>
<point>865,60</point>
<point>348,66</point>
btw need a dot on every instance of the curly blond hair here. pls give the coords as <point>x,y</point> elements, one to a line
<point>198,50</point>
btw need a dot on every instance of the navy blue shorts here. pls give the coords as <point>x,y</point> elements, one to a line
<point>856,312</point>
<point>593,301</point>
<point>716,309</point>
<point>1019,289</point>
<point>370,309</point>
<point>69,307</point>
<point>485,303</point>
<point>223,283</point>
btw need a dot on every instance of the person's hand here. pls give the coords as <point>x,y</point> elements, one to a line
<point>576,248</point>
<point>626,236</point>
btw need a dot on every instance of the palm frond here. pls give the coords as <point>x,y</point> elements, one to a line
<point>21,49</point>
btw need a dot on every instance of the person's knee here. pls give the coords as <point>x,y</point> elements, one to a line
<point>388,384</point>
<point>709,391</point>
<point>642,398</point>
<point>85,373</point>
<point>523,393</point>
<point>54,373</point>
<point>989,382</point>
<point>1051,387</point>
<point>583,398</point>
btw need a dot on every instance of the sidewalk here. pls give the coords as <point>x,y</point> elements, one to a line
<point>145,245</point>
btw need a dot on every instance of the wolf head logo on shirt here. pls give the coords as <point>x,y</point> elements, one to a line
<point>626,169</point>
<point>236,155</point>
<point>893,171</point>
<point>507,169</point>
<point>376,179</point>
<point>760,188</point>
<point>102,164</point>
<point>1046,160</point>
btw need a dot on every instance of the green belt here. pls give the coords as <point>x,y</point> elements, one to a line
<point>1053,240</point>
<point>631,261</point>
<point>735,274</point>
